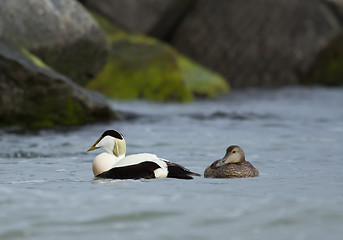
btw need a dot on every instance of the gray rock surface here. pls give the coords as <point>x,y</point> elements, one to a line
<point>153,17</point>
<point>138,16</point>
<point>336,7</point>
<point>60,32</point>
<point>257,43</point>
<point>34,97</point>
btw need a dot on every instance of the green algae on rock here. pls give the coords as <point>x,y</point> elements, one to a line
<point>145,68</point>
<point>142,70</point>
<point>34,59</point>
<point>200,80</point>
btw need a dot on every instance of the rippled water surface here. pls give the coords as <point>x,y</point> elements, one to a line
<point>293,136</point>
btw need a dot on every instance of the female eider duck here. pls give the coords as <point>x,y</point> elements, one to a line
<point>115,165</point>
<point>233,165</point>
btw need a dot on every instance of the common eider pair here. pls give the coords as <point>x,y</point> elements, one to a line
<point>114,164</point>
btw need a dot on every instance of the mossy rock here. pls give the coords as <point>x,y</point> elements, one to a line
<point>145,68</point>
<point>200,80</point>
<point>143,71</point>
<point>328,67</point>
<point>34,96</point>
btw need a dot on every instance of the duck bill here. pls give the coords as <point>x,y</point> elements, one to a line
<point>94,145</point>
<point>92,148</point>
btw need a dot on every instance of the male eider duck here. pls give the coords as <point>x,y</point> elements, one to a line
<point>114,164</point>
<point>233,165</point>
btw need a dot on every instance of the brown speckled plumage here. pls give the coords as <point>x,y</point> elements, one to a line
<point>233,165</point>
<point>231,170</point>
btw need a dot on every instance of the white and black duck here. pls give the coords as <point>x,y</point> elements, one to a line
<point>114,164</point>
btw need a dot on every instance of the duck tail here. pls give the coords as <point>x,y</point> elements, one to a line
<point>178,171</point>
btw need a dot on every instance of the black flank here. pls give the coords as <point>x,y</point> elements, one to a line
<point>141,170</point>
<point>177,171</point>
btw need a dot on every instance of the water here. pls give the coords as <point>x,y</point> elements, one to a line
<point>292,136</point>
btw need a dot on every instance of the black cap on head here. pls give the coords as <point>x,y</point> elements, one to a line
<point>112,133</point>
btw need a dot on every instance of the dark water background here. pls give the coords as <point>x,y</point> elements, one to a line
<point>294,136</point>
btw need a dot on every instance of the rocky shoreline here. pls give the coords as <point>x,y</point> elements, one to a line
<point>171,50</point>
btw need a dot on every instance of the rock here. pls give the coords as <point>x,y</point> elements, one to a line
<point>201,82</point>
<point>60,32</point>
<point>35,97</point>
<point>336,7</point>
<point>156,18</point>
<point>327,69</point>
<point>138,16</point>
<point>266,43</point>
<point>142,67</point>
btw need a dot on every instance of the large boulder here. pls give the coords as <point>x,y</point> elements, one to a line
<point>259,43</point>
<point>34,96</point>
<point>60,32</point>
<point>143,67</point>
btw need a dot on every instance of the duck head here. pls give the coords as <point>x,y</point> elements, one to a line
<point>112,142</point>
<point>234,154</point>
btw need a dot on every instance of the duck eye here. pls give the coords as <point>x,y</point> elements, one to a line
<point>233,151</point>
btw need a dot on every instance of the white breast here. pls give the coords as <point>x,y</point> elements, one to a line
<point>103,162</point>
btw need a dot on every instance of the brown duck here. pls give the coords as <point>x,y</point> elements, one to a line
<point>233,165</point>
